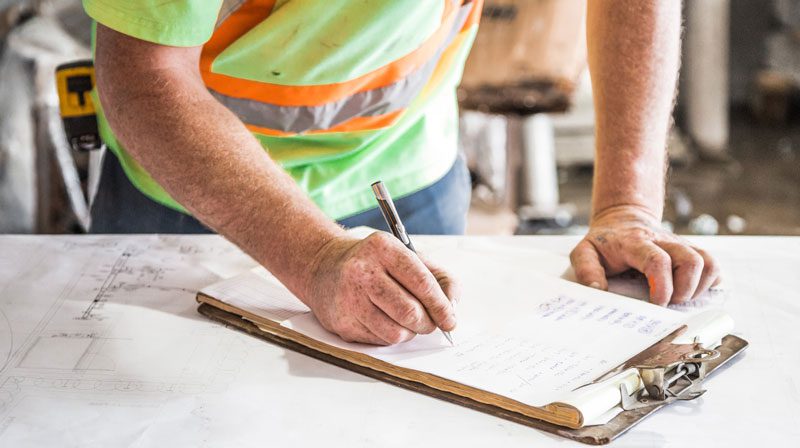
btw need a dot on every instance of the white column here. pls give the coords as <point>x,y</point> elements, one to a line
<point>706,70</point>
<point>541,176</point>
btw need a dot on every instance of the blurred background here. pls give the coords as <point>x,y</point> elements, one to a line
<point>526,126</point>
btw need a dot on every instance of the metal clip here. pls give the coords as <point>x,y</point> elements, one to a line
<point>683,388</point>
<point>675,372</point>
<point>669,372</point>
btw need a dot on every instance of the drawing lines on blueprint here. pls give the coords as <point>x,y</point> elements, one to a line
<point>119,264</point>
<point>129,273</point>
<point>72,334</point>
<point>6,341</point>
<point>20,346</point>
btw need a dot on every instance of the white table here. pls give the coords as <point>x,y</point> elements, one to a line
<point>101,345</point>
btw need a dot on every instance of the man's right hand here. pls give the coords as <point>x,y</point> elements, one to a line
<point>374,290</point>
<point>377,291</point>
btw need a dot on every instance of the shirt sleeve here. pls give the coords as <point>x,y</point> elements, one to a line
<point>179,23</point>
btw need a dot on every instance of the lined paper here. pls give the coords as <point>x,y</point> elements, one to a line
<point>260,293</point>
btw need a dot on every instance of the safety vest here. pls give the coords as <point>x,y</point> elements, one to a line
<point>330,133</point>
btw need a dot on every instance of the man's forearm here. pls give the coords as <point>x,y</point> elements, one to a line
<point>634,51</point>
<point>209,162</point>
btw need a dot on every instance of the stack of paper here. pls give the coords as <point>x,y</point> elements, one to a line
<point>526,342</point>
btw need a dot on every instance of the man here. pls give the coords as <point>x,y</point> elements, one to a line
<point>267,120</point>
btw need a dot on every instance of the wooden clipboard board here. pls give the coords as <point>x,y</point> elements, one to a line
<point>592,435</point>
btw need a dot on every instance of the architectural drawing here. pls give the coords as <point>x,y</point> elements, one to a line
<point>75,335</point>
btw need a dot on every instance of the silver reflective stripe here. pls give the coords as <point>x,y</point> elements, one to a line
<point>298,119</point>
<point>228,7</point>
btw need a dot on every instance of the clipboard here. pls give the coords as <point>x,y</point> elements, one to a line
<point>658,363</point>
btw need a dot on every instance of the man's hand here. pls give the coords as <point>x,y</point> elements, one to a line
<point>625,237</point>
<point>634,51</point>
<point>377,291</point>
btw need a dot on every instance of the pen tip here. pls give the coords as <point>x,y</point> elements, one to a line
<point>449,338</point>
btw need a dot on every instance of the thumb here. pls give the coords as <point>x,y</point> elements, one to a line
<point>588,268</point>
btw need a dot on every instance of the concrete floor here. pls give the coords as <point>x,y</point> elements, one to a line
<point>759,184</point>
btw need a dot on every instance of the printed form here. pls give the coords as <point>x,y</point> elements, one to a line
<point>532,338</point>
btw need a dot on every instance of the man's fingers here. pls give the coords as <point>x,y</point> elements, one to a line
<point>656,265</point>
<point>381,325</point>
<point>588,268</point>
<point>409,271</point>
<point>687,268</point>
<point>711,273</point>
<point>400,305</point>
<point>450,286</point>
<point>355,331</point>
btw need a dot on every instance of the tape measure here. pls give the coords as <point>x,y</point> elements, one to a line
<point>75,81</point>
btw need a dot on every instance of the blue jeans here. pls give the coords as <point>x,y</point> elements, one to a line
<point>119,207</point>
<point>440,209</point>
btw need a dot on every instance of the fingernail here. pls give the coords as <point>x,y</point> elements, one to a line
<point>594,285</point>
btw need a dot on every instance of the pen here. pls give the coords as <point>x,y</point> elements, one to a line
<point>396,226</point>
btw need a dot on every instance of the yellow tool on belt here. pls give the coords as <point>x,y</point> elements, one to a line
<point>75,81</point>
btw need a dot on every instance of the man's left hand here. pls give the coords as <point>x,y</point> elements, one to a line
<point>625,237</point>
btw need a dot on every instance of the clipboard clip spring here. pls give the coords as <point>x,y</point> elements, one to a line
<point>675,374</point>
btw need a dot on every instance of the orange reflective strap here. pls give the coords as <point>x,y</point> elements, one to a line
<point>245,18</point>
<point>474,14</point>
<point>446,60</point>
<point>445,63</point>
<point>252,12</point>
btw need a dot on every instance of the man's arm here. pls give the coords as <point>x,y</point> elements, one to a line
<point>634,54</point>
<point>155,101</point>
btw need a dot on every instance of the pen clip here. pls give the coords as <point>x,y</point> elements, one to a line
<point>401,233</point>
<point>389,212</point>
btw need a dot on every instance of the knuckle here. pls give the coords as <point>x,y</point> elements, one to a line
<point>711,267</point>
<point>427,327</point>
<point>409,314</point>
<point>694,262</point>
<point>658,260</point>
<point>583,271</point>
<point>575,252</point>
<point>428,286</point>
<point>439,310</point>
<point>395,335</point>
<point>378,240</point>
<point>424,280</point>
<point>396,339</point>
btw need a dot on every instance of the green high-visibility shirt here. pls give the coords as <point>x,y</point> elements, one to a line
<point>340,93</point>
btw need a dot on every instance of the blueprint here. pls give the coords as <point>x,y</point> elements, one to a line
<point>71,336</point>
<point>101,345</point>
